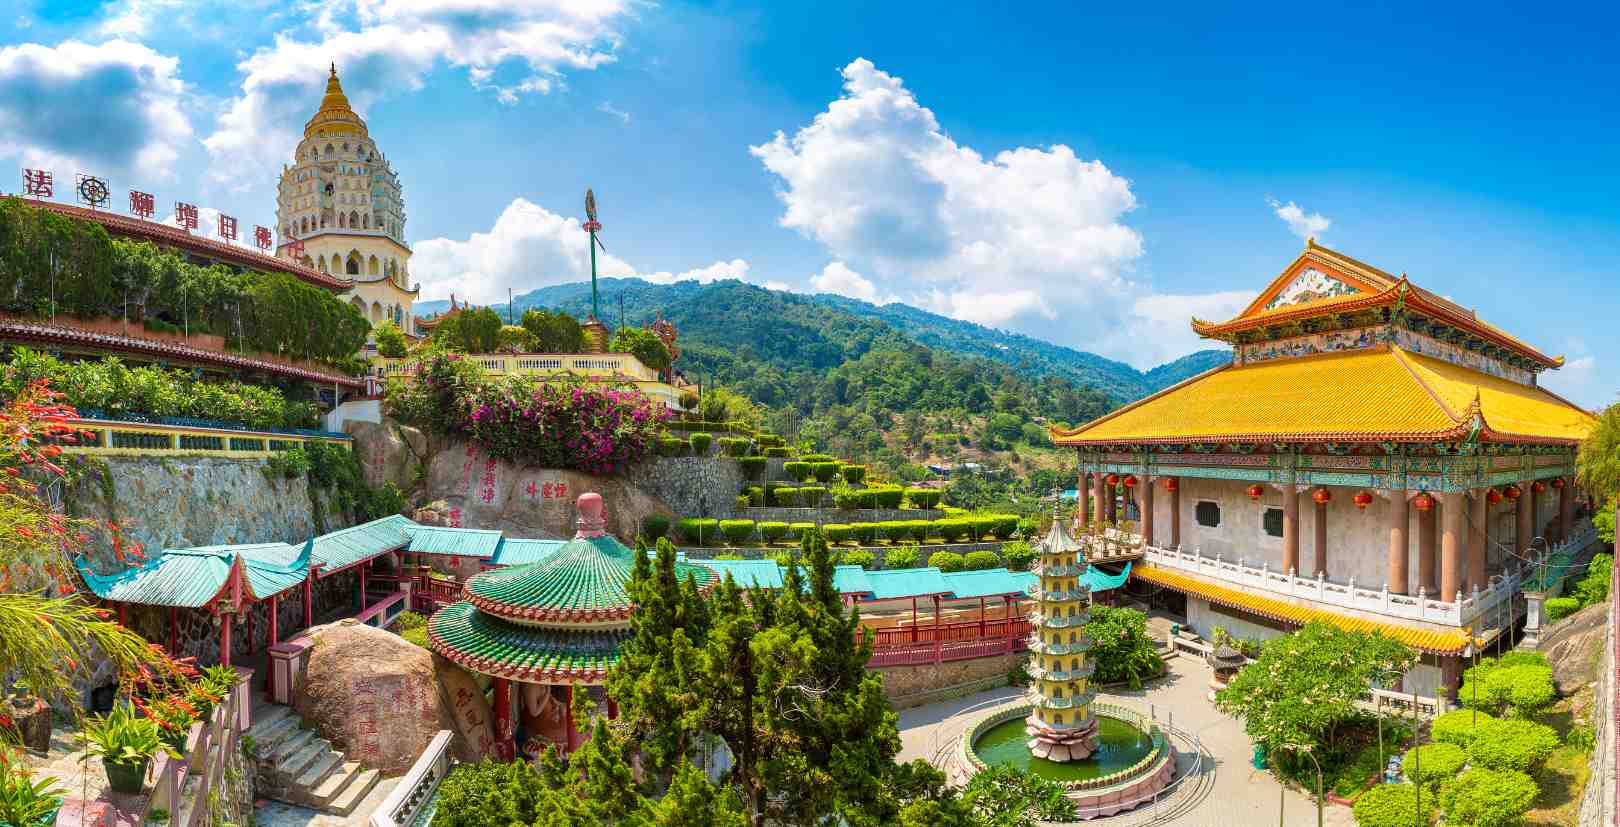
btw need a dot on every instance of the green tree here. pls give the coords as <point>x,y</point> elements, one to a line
<point>1304,687</point>
<point>642,344</point>
<point>1597,464</point>
<point>1122,650</point>
<point>390,340</point>
<point>554,332</point>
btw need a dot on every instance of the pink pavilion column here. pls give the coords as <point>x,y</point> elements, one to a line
<point>1453,540</point>
<point>1398,550</point>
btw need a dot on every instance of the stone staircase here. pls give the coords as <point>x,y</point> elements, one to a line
<point>294,764</point>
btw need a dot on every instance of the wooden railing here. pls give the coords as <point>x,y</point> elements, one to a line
<point>383,613</point>
<point>900,636</point>
<point>914,645</point>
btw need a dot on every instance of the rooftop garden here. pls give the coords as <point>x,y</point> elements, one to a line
<point>52,265</point>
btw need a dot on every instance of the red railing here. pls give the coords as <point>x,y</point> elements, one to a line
<point>890,637</point>
<point>913,645</point>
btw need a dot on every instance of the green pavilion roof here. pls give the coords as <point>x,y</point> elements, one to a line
<point>515,552</point>
<point>531,654</point>
<point>345,547</point>
<point>192,578</point>
<point>997,582</point>
<point>582,581</point>
<point>481,543</point>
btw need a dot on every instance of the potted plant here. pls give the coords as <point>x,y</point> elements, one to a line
<point>126,743</point>
<point>204,695</point>
<point>24,801</point>
<point>174,716</point>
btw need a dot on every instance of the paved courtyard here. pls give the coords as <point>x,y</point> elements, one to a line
<point>1226,792</point>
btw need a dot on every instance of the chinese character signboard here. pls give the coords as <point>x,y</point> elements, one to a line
<point>38,183</point>
<point>227,227</point>
<point>185,216</point>
<point>93,192</point>
<point>261,238</point>
<point>295,249</point>
<point>141,204</point>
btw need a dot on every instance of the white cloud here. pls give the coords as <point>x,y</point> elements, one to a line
<point>1033,239</point>
<point>1580,382</point>
<point>607,108</point>
<point>531,247</point>
<point>510,49</point>
<point>1300,223</point>
<point>836,277</point>
<point>113,109</point>
<point>1163,322</point>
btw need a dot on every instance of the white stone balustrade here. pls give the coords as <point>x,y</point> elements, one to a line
<point>1460,612</point>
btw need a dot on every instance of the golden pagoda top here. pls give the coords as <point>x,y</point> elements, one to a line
<point>334,109</point>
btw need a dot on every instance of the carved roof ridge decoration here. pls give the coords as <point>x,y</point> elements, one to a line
<point>1374,289</point>
<point>163,234</point>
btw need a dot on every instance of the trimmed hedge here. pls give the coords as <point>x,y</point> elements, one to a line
<point>735,446</point>
<point>1484,797</point>
<point>737,531</point>
<point>818,458</point>
<point>755,495</point>
<point>705,425</point>
<point>698,529</point>
<point>752,467</point>
<point>864,533</point>
<point>783,496</point>
<point>773,531</point>
<point>952,530</point>
<point>743,501</point>
<point>654,526</point>
<point>946,561</point>
<point>903,557</point>
<point>700,442</point>
<point>1439,761</point>
<point>1458,726</point>
<point>797,530</point>
<point>824,471</point>
<point>923,497</point>
<point>837,533</point>
<point>810,495</point>
<point>979,527</point>
<point>671,447</point>
<point>776,451</point>
<point>858,557</point>
<point>853,474</point>
<point>1512,745</point>
<point>1559,608</point>
<point>796,470</point>
<point>981,560</point>
<point>770,441</point>
<point>1004,525</point>
<point>1390,805</point>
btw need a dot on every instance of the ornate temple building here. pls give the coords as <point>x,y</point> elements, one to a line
<point>1060,725</point>
<point>1375,456</point>
<point>340,210</point>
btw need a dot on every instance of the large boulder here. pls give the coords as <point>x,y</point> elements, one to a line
<point>373,694</point>
<point>1573,647</point>
<point>388,451</point>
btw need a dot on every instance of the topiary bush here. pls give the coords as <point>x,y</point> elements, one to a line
<point>920,530</point>
<point>1438,761</point>
<point>752,467</point>
<point>767,440</point>
<point>979,527</point>
<point>773,531</point>
<point>1521,681</point>
<point>922,497</point>
<point>698,530</point>
<point>700,443</point>
<point>824,471</point>
<point>946,561</point>
<point>796,530</point>
<point>888,496</point>
<point>776,452</point>
<point>654,526</point>
<point>737,531</point>
<point>811,495</point>
<point>818,458</point>
<point>744,502</point>
<point>848,500</point>
<point>1028,527</point>
<point>981,560</point>
<point>1004,525</point>
<point>755,495</point>
<point>784,497</point>
<point>864,533</point>
<point>903,557</point>
<point>735,446</point>
<point>1512,745</point>
<point>1390,805</point>
<point>1483,797</point>
<point>952,529</point>
<point>894,531</point>
<point>865,558</point>
<point>671,447</point>
<point>1559,608</point>
<point>1018,554</point>
<point>1458,726</point>
<point>796,470</point>
<point>837,533</point>
<point>853,474</point>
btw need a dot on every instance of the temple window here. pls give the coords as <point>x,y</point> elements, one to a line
<point>1272,522</point>
<point>1058,718</point>
<point>1208,514</point>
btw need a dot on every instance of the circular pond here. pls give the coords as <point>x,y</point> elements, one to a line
<point>1120,746</point>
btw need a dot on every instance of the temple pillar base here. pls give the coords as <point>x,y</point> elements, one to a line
<point>1060,745</point>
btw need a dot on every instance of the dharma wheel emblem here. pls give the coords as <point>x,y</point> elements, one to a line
<point>93,191</point>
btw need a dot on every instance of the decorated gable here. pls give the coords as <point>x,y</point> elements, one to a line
<point>1309,285</point>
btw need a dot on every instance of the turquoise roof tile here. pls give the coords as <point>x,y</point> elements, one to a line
<point>764,574</point>
<point>892,584</point>
<point>481,543</point>
<point>515,552</point>
<point>990,583</point>
<point>345,547</point>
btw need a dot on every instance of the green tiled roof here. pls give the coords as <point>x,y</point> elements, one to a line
<point>586,577</point>
<point>190,578</point>
<point>765,574</point>
<point>898,583</point>
<point>492,646</point>
<point>515,552</point>
<point>460,542</point>
<point>348,546</point>
<point>995,582</point>
<point>1101,581</point>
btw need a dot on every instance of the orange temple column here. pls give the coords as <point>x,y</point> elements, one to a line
<point>1453,538</point>
<point>1427,581</point>
<point>1175,512</point>
<point>1535,508</point>
<point>1290,538</point>
<point>1100,511</point>
<point>1319,528</point>
<point>1524,519</point>
<point>1398,553</point>
<point>1082,497</point>
<point>1478,534</point>
<point>1145,505</point>
<point>1566,509</point>
<point>503,718</point>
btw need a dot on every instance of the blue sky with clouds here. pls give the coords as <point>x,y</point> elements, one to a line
<point>1089,175</point>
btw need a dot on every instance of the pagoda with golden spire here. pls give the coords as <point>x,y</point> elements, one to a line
<point>1060,725</point>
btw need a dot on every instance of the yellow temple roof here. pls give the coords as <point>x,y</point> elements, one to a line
<point>1448,642</point>
<point>334,108</point>
<point>1374,395</point>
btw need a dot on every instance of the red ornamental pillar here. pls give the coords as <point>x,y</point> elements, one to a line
<point>1290,527</point>
<point>936,629</point>
<point>1398,550</point>
<point>1525,518</point>
<point>123,616</point>
<point>1453,541</point>
<point>503,719</point>
<point>1426,560</point>
<point>363,567</point>
<point>571,739</point>
<point>1321,497</point>
<point>1081,496</point>
<point>1478,533</point>
<point>225,639</point>
<point>309,603</point>
<point>1145,504</point>
<point>1099,509</point>
<point>1175,512</point>
<point>913,620</point>
<point>274,603</point>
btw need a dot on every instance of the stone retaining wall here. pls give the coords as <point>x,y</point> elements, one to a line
<point>691,486</point>
<point>838,515</point>
<point>881,552</point>
<point>908,686</point>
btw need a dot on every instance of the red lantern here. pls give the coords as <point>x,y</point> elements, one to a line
<point>1362,499</point>
<point>1512,492</point>
<point>1255,491</point>
<point>1557,483</point>
<point>1536,487</point>
<point>1171,485</point>
<point>1112,479</point>
<point>1424,501</point>
<point>1493,496</point>
<point>1321,496</point>
<point>1130,481</point>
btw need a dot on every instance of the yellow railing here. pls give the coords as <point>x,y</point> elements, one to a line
<point>602,367</point>
<point>154,439</point>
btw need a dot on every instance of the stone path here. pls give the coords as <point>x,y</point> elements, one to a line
<point>1227,791</point>
<point>277,814</point>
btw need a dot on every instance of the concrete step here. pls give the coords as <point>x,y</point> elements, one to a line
<point>350,798</point>
<point>335,783</point>
<point>300,762</point>
<point>294,741</point>
<point>318,771</point>
<point>267,734</point>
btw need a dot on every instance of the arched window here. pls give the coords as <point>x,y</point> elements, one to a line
<point>352,265</point>
<point>365,222</point>
<point>376,311</point>
<point>373,266</point>
<point>354,219</point>
<point>320,264</point>
<point>1058,719</point>
<point>328,149</point>
<point>340,220</point>
<point>358,305</point>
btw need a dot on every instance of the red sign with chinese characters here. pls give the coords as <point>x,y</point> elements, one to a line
<point>227,227</point>
<point>295,249</point>
<point>261,237</point>
<point>141,203</point>
<point>185,215</point>
<point>38,183</point>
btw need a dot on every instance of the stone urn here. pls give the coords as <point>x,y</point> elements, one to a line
<point>32,718</point>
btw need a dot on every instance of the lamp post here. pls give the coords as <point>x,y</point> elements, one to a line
<point>1296,748</point>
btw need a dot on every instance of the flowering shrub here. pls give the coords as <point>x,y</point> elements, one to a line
<point>559,423</point>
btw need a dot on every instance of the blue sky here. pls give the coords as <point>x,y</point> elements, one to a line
<point>1087,176</point>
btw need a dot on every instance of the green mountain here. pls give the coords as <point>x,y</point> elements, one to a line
<point>724,323</point>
